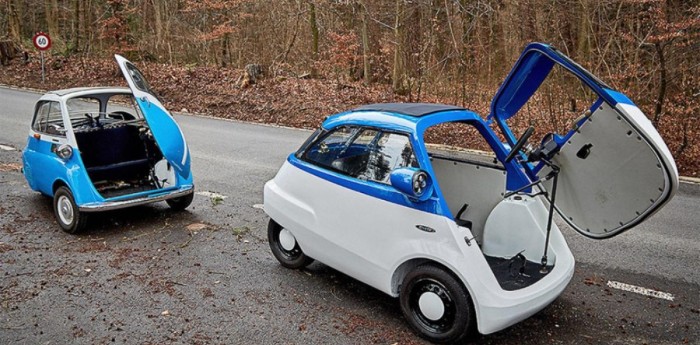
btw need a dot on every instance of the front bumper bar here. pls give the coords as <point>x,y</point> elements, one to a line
<point>115,205</point>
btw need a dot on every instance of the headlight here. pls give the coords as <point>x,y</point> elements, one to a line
<point>420,179</point>
<point>64,151</point>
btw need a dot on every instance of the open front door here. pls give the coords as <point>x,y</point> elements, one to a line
<point>165,130</point>
<point>615,170</point>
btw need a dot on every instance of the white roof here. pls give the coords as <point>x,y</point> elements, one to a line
<point>81,91</point>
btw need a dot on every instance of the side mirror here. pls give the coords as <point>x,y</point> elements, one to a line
<point>413,182</point>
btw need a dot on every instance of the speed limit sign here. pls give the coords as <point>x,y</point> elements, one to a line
<point>42,41</point>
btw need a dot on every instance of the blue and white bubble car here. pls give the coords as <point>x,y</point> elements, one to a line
<point>468,244</point>
<point>104,148</point>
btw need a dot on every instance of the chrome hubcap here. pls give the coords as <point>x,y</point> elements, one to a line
<point>65,210</point>
<point>431,306</point>
<point>287,240</point>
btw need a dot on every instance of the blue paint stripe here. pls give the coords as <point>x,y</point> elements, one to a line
<point>373,189</point>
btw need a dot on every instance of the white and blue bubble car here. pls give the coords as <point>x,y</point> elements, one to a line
<point>467,244</point>
<point>104,148</point>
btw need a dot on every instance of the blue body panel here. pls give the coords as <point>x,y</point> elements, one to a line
<point>44,169</point>
<point>414,127</point>
<point>168,136</point>
<point>527,75</point>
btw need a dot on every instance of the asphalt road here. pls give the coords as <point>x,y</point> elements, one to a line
<point>144,276</point>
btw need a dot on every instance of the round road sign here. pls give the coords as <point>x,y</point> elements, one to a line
<point>42,41</point>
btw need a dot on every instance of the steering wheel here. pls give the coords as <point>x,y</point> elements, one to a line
<point>91,120</point>
<point>519,145</point>
<point>121,115</point>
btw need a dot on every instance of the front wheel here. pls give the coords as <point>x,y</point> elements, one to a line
<point>285,248</point>
<point>181,203</point>
<point>66,211</point>
<point>437,305</point>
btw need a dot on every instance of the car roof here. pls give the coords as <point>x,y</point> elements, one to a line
<point>404,117</point>
<point>411,109</point>
<point>88,90</point>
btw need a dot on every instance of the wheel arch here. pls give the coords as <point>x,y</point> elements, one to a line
<point>407,266</point>
<point>58,184</point>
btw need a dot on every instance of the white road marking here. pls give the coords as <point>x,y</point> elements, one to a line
<point>640,290</point>
<point>258,206</point>
<point>211,195</point>
<point>6,148</point>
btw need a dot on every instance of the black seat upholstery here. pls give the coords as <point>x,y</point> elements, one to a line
<point>112,153</point>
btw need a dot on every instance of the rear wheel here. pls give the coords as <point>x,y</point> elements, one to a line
<point>181,203</point>
<point>68,216</point>
<point>437,305</point>
<point>285,248</point>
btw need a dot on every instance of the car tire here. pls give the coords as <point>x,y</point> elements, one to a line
<point>68,216</point>
<point>285,247</point>
<point>181,203</point>
<point>437,305</point>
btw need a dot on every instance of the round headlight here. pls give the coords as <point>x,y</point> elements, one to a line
<point>64,151</point>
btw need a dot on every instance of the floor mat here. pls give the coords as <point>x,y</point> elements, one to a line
<point>516,273</point>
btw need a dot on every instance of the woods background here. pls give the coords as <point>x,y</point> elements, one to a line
<point>319,57</point>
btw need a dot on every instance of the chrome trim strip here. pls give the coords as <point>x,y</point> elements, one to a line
<point>115,205</point>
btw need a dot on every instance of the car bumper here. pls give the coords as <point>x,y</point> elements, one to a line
<point>115,205</point>
<point>511,307</point>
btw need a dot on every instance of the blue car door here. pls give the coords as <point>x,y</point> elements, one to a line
<point>165,130</point>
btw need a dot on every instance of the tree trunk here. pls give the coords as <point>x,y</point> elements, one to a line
<point>397,74</point>
<point>365,44</point>
<point>51,8</point>
<point>584,39</point>
<point>77,24</point>
<point>663,82</point>
<point>314,37</point>
<point>158,22</point>
<point>14,15</point>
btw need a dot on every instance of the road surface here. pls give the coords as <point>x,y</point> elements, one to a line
<point>147,275</point>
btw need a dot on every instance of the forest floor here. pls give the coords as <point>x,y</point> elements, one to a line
<point>283,99</point>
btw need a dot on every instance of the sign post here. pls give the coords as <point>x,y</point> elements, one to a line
<point>42,42</point>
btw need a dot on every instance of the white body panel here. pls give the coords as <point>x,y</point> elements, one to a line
<point>369,239</point>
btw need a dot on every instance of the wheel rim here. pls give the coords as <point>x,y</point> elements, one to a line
<point>432,306</point>
<point>287,240</point>
<point>65,210</point>
<point>287,244</point>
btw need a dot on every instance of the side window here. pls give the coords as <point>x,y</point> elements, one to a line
<point>326,150</point>
<point>367,154</point>
<point>308,142</point>
<point>123,107</point>
<point>459,141</point>
<point>389,152</point>
<point>80,107</point>
<point>48,119</point>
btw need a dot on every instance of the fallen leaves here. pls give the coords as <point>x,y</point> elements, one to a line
<point>8,167</point>
<point>196,227</point>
